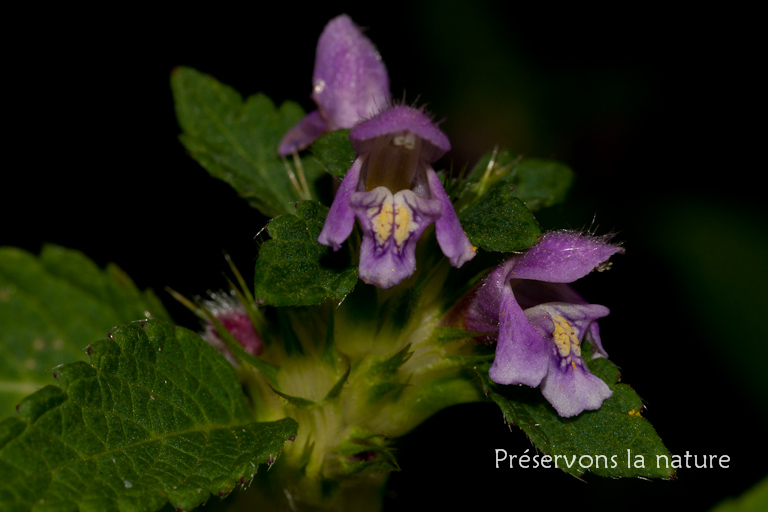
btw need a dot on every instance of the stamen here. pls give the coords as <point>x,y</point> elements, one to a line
<point>407,140</point>
<point>564,337</point>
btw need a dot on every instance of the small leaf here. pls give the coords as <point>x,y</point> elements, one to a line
<point>338,387</point>
<point>296,401</point>
<point>237,141</point>
<point>158,416</point>
<point>500,221</point>
<point>291,269</point>
<point>389,366</point>
<point>51,306</point>
<point>334,152</point>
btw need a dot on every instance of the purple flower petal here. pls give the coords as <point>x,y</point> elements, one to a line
<point>341,218</point>
<point>572,389</point>
<point>450,235</point>
<point>593,336</point>
<point>392,224</point>
<point>350,81</point>
<point>562,257</point>
<point>482,312</point>
<point>531,293</point>
<point>578,316</point>
<point>569,386</point>
<point>304,133</point>
<point>522,354</point>
<point>399,119</point>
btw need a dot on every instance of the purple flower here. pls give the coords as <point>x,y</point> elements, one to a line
<point>394,192</point>
<point>349,84</point>
<point>231,313</point>
<point>541,321</point>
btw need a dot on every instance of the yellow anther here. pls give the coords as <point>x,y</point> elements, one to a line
<point>382,222</point>
<point>564,337</point>
<point>403,218</point>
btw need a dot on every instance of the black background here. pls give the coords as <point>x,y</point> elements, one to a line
<point>656,111</point>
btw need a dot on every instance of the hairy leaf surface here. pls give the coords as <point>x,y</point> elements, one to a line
<point>236,141</point>
<point>500,221</point>
<point>293,268</point>
<point>158,416</point>
<point>51,307</point>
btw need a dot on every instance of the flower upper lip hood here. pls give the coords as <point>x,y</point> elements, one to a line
<point>394,192</point>
<point>541,321</point>
<point>399,119</point>
<point>349,84</point>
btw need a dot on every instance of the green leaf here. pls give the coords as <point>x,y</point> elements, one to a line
<point>334,152</point>
<point>539,183</point>
<point>500,221</point>
<point>158,416</point>
<point>754,500</point>
<point>536,182</point>
<point>493,166</point>
<point>612,430</point>
<point>51,307</point>
<point>236,141</point>
<point>292,269</point>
